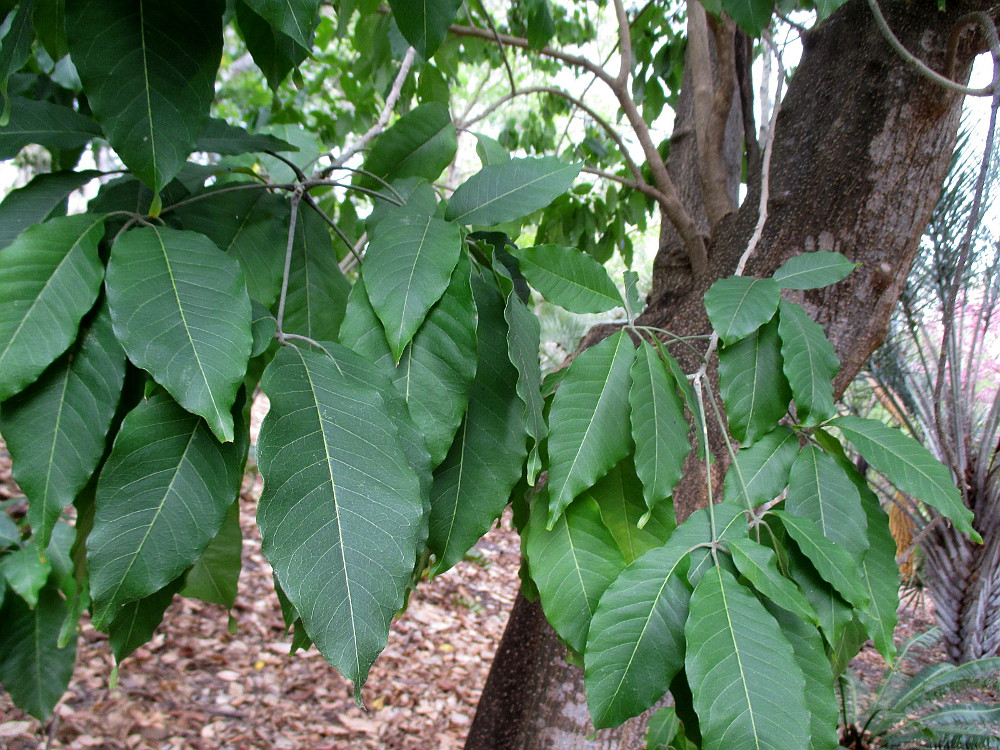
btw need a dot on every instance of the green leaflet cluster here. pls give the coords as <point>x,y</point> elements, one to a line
<point>752,605</point>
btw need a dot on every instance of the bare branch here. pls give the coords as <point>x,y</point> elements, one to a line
<point>383,118</point>
<point>503,52</point>
<point>642,187</point>
<point>625,44</point>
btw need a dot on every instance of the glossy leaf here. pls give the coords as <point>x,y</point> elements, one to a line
<point>835,615</point>
<point>634,527</point>
<point>739,305</point>
<point>509,190</point>
<point>588,424</point>
<point>424,23</point>
<point>748,688</point>
<point>42,198</point>
<point>161,498</point>
<point>759,565</point>
<point>421,143</point>
<point>33,669</point>
<point>809,363</point>
<point>51,125</point>
<point>436,371</point>
<point>25,570</point>
<point>296,19</point>
<point>164,288</point>
<point>136,622</point>
<point>753,385</point>
<point>341,511</point>
<point>818,489</point>
<point>753,16</point>
<point>569,278</point>
<point>572,564</point>
<point>56,428</point>
<point>214,576</point>
<point>150,92</point>
<point>636,640</point>
<point>407,267</point>
<point>473,484</point>
<point>880,576</point>
<point>813,270</point>
<point>523,337</point>
<point>252,226</point>
<point>659,429</point>
<point>759,473</point>
<point>835,564</point>
<point>317,289</point>
<point>909,466</point>
<point>49,278</point>
<point>821,699</point>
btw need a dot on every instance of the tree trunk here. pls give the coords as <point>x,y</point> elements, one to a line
<point>862,145</point>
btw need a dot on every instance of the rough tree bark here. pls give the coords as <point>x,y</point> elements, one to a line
<point>861,148</point>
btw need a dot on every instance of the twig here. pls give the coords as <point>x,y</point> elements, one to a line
<point>642,187</point>
<point>311,202</point>
<point>503,52</point>
<point>383,118</point>
<point>624,43</point>
<point>919,64</point>
<point>296,197</point>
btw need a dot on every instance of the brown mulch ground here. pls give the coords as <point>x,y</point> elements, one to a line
<point>196,686</point>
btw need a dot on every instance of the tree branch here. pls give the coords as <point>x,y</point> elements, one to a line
<point>383,118</point>
<point>624,43</point>
<point>642,187</point>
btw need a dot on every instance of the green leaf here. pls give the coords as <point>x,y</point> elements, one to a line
<point>753,385</point>
<point>252,226</point>
<point>813,270</point>
<point>818,489</point>
<point>49,278</point>
<point>759,473</point>
<point>33,669</point>
<point>424,23</point>
<point>636,640</point>
<point>509,190</point>
<point>759,565</point>
<point>748,688</point>
<point>275,53</point>
<point>181,311</point>
<point>161,498</point>
<point>471,487</point>
<point>810,655</point>
<point>150,92</point>
<point>214,576</point>
<point>136,622</point>
<point>50,25</point>
<point>835,615</point>
<point>589,423</point>
<point>56,428</point>
<point>880,575</point>
<point>490,151</point>
<point>219,137</point>
<point>659,429</point>
<point>42,198</point>
<point>909,466</point>
<point>569,278</point>
<point>836,565</point>
<point>619,496</point>
<point>753,16</point>
<point>541,25</point>
<point>26,570</point>
<point>809,363</point>
<point>407,267</point>
<point>739,305</point>
<point>263,326</point>
<point>572,564</point>
<point>341,512</point>
<point>296,19</point>
<point>436,371</point>
<point>15,50</point>
<point>420,144</point>
<point>10,535</point>
<point>51,125</point>
<point>633,302</point>
<point>523,337</point>
<point>317,289</point>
